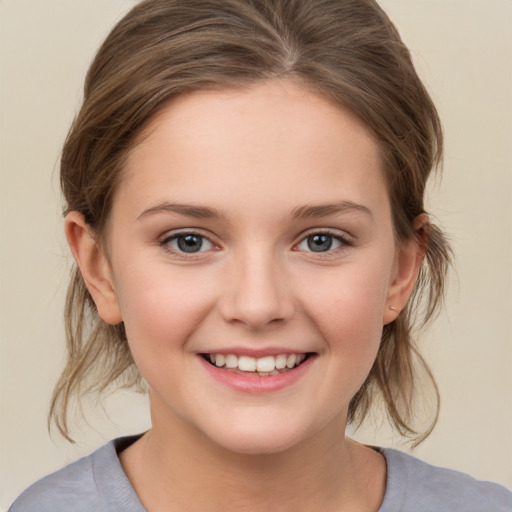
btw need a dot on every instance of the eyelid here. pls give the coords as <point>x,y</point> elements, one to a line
<point>167,237</point>
<point>344,239</point>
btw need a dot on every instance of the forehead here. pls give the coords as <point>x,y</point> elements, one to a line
<point>274,141</point>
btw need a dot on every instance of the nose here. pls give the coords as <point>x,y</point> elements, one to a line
<point>258,293</point>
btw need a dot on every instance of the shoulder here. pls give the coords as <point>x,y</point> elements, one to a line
<point>71,488</point>
<point>414,485</point>
<point>96,482</point>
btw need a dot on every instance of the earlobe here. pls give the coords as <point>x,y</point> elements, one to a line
<point>409,259</point>
<point>94,266</point>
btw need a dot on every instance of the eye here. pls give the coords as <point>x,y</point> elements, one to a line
<point>188,243</point>
<point>321,242</point>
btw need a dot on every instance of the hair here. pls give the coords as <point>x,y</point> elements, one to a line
<point>347,51</point>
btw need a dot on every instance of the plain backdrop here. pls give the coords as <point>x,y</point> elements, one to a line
<point>463,50</point>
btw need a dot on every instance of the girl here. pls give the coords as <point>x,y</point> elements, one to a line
<point>244,187</point>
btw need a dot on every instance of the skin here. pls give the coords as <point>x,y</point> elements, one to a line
<point>255,158</point>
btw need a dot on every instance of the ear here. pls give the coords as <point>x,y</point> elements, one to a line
<point>409,257</point>
<point>94,266</point>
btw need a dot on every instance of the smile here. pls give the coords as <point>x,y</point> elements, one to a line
<point>263,366</point>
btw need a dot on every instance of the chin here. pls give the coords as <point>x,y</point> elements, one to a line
<point>249,445</point>
<point>259,439</point>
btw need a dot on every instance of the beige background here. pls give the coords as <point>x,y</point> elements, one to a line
<point>463,50</point>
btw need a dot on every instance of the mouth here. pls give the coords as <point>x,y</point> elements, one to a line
<point>266,366</point>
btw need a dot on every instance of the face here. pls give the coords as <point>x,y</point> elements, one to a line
<point>252,230</point>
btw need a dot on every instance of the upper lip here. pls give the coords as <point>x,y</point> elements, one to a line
<point>255,352</point>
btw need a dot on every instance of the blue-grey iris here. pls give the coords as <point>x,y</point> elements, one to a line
<point>319,243</point>
<point>190,243</point>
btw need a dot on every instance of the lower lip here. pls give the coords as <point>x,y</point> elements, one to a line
<point>256,384</point>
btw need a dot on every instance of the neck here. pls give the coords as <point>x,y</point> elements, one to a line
<point>174,467</point>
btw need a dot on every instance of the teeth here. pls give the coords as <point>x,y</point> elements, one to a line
<point>291,360</point>
<point>264,366</point>
<point>231,361</point>
<point>280,361</point>
<point>246,364</point>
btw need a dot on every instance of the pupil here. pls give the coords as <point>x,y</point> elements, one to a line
<point>319,243</point>
<point>190,243</point>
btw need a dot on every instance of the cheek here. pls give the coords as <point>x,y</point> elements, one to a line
<point>161,308</point>
<point>347,306</point>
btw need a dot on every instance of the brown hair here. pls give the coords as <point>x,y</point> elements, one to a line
<point>345,50</point>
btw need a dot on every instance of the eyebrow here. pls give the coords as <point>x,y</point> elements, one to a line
<point>303,212</point>
<point>325,210</point>
<point>188,210</point>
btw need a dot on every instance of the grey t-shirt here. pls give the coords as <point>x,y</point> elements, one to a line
<point>97,483</point>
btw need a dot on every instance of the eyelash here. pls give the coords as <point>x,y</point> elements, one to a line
<point>342,240</point>
<point>166,241</point>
